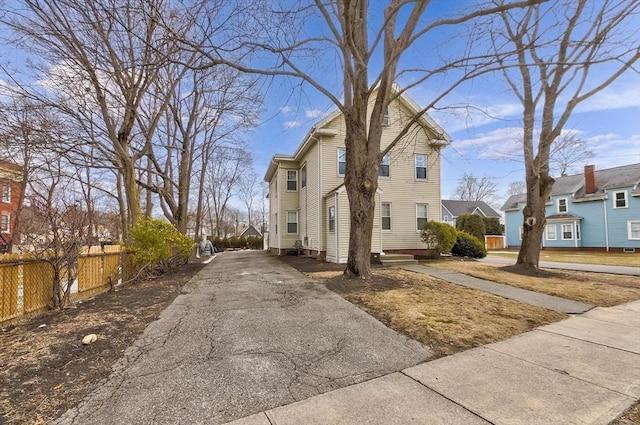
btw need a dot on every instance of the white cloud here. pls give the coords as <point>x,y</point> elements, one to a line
<point>292,124</point>
<point>313,113</point>
<point>286,110</point>
<point>619,97</point>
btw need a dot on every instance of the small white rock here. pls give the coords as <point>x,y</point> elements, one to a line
<point>42,326</point>
<point>89,339</point>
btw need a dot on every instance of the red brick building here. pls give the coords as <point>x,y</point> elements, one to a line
<point>10,192</point>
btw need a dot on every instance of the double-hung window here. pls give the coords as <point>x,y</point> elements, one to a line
<point>421,166</point>
<point>633,230</point>
<point>292,180</point>
<point>342,161</point>
<point>6,193</point>
<point>384,166</point>
<point>421,215</point>
<point>332,219</point>
<point>551,232</point>
<point>620,199</point>
<point>567,232</point>
<point>303,176</point>
<point>562,206</point>
<point>5,223</point>
<point>385,117</point>
<point>386,216</point>
<point>292,222</point>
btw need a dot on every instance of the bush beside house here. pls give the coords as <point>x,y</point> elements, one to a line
<point>472,224</point>
<point>467,245</point>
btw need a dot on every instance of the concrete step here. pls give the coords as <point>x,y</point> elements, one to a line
<point>392,260</point>
<point>396,263</point>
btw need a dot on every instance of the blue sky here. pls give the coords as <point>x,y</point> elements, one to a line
<point>484,143</point>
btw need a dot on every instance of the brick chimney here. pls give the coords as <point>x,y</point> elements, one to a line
<point>590,184</point>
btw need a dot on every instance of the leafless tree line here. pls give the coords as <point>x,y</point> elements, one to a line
<point>116,117</point>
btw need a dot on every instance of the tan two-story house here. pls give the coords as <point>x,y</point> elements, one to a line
<point>308,203</point>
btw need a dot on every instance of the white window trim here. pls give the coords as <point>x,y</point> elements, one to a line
<point>562,232</point>
<point>8,229</point>
<point>338,161</point>
<point>415,167</point>
<point>329,219</point>
<point>6,200</point>
<point>629,233</point>
<point>385,117</point>
<point>520,232</point>
<point>555,232</point>
<point>382,216</point>
<point>296,180</point>
<point>566,205</point>
<point>626,199</point>
<point>306,176</point>
<point>426,218</point>
<point>289,222</point>
<point>578,231</point>
<point>388,164</point>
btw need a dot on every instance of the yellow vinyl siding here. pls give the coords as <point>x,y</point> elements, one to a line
<point>331,237</point>
<point>309,200</point>
<point>401,189</point>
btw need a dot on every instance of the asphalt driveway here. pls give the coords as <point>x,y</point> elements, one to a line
<point>250,334</point>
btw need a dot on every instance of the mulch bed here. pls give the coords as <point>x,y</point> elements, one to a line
<point>45,369</point>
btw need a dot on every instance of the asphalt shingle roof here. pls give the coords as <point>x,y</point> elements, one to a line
<point>610,178</point>
<point>457,208</point>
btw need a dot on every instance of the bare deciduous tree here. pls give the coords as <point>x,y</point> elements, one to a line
<point>516,188</point>
<point>248,187</point>
<point>472,188</point>
<point>567,152</point>
<point>101,59</point>
<point>357,44</point>
<point>224,170</point>
<point>567,52</point>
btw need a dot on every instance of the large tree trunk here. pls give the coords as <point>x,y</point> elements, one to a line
<point>534,219</point>
<point>361,182</point>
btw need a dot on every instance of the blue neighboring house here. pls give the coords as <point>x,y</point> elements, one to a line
<point>594,210</point>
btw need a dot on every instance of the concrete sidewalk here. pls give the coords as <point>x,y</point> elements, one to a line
<point>632,270</point>
<point>550,302</point>
<point>583,370</point>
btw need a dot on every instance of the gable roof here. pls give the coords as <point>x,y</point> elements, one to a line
<point>573,185</point>
<point>251,226</point>
<point>457,208</point>
<point>318,130</point>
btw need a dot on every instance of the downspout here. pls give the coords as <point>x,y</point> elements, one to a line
<point>606,224</point>
<point>320,211</point>
<point>279,217</point>
<point>337,232</point>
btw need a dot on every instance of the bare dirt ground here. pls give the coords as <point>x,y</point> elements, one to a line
<point>45,370</point>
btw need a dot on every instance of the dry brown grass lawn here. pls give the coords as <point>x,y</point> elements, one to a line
<point>581,257</point>
<point>446,317</point>
<point>594,288</point>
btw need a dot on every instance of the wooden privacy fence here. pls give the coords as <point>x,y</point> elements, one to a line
<point>494,241</point>
<point>26,283</point>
